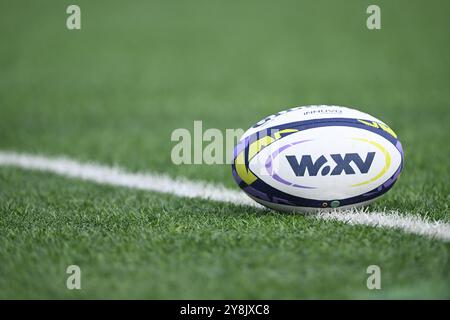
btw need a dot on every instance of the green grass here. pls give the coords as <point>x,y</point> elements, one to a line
<point>133,244</point>
<point>113,93</point>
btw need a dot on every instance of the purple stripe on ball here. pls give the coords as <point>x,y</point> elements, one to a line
<point>256,193</point>
<point>236,177</point>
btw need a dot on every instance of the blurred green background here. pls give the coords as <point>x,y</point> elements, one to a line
<point>114,91</point>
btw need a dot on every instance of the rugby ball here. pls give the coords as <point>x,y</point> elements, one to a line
<point>317,157</point>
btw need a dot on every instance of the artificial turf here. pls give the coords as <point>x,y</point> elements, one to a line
<point>132,244</point>
<point>114,91</point>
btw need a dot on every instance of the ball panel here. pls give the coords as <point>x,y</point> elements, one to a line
<point>305,113</point>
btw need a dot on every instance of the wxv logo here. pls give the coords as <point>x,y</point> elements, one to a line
<point>342,164</point>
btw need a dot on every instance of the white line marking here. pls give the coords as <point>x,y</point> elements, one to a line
<point>118,177</point>
<point>197,189</point>
<point>392,220</point>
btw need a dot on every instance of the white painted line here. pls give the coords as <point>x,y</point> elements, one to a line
<point>115,176</point>
<point>118,177</point>
<point>392,220</point>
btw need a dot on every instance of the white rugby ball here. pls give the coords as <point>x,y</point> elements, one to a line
<point>317,157</point>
